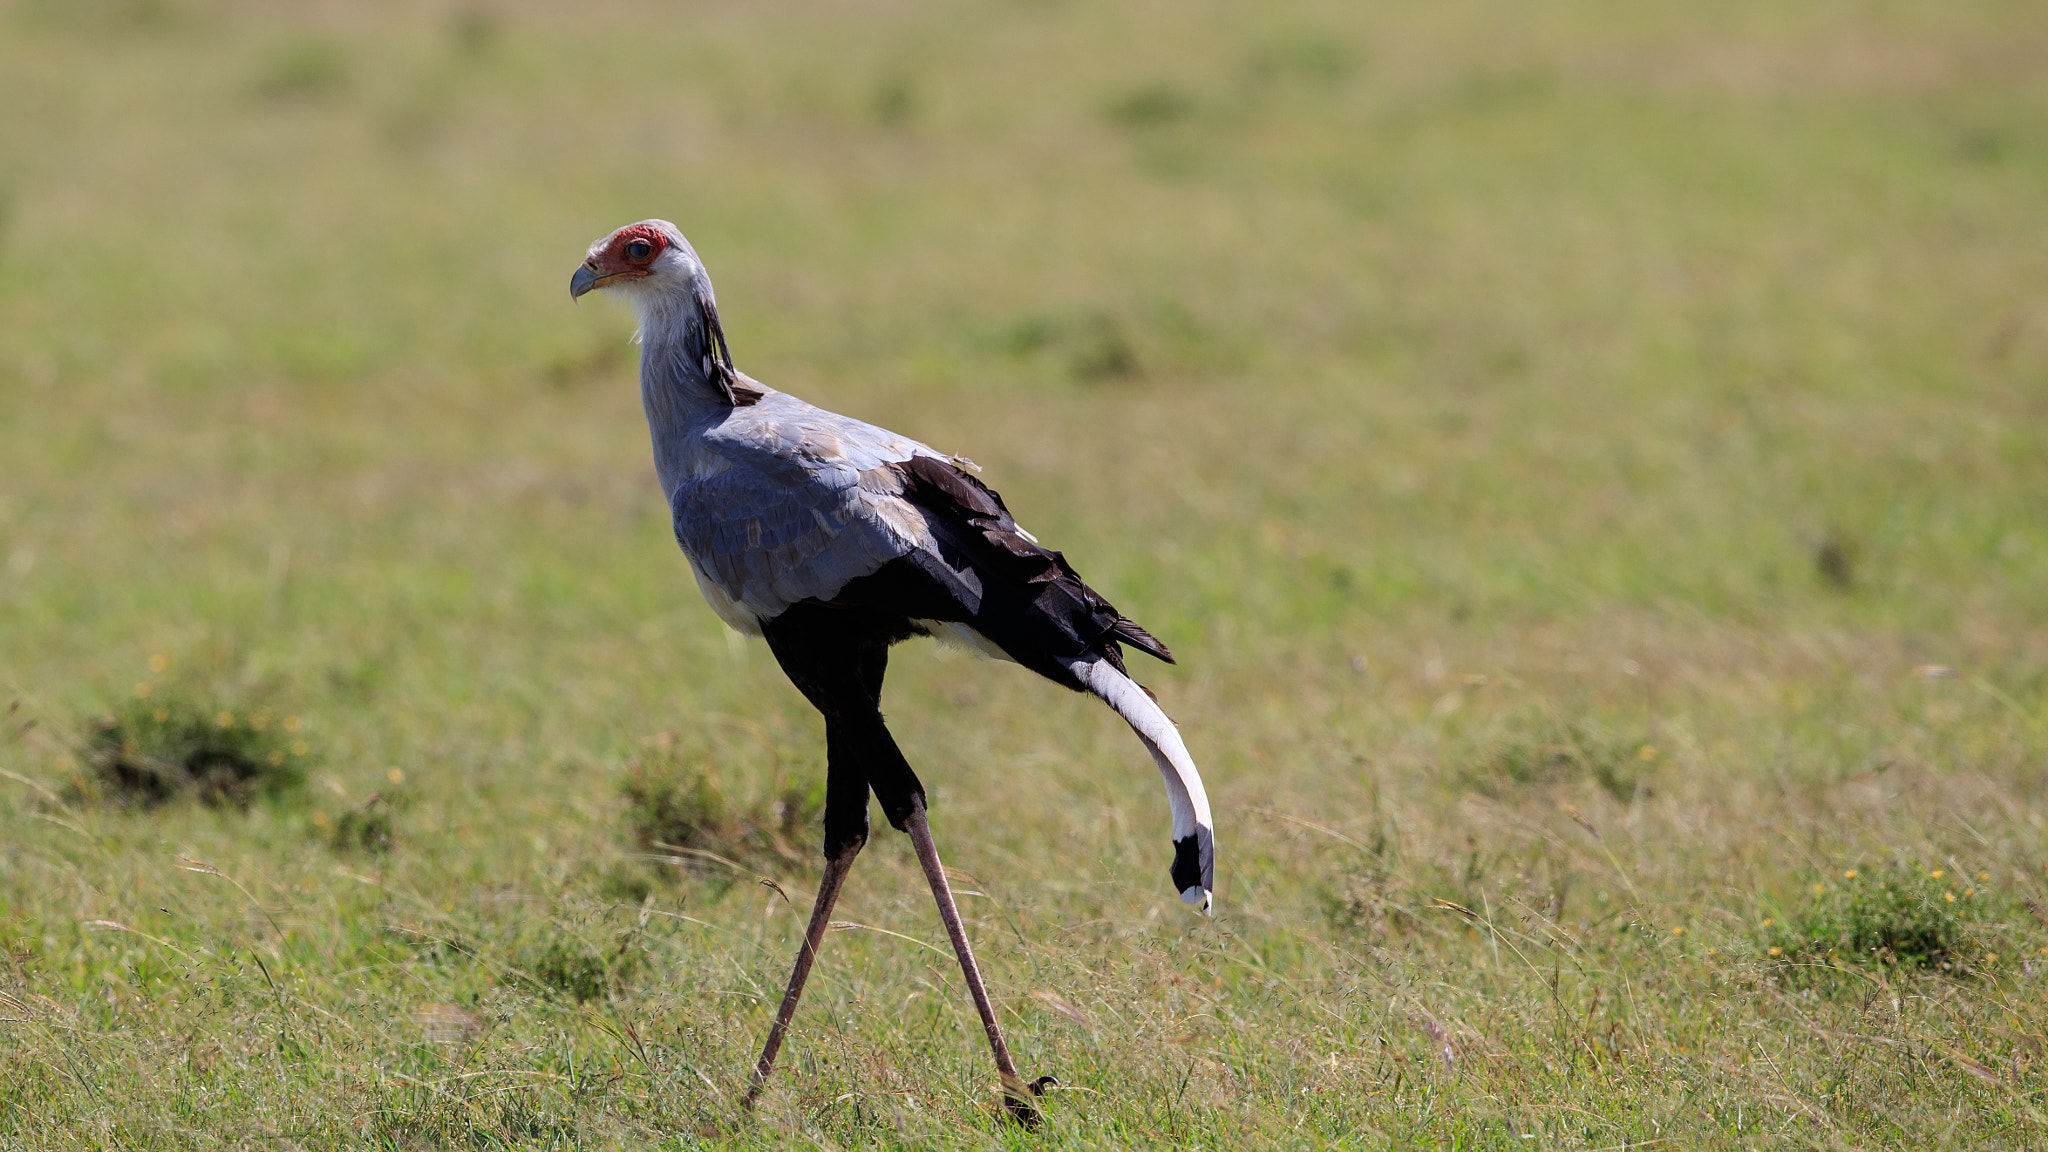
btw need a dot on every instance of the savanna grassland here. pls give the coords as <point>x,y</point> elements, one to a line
<point>1591,460</point>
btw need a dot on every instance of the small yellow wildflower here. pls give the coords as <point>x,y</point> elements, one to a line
<point>395,775</point>
<point>319,819</point>
<point>1991,957</point>
<point>291,723</point>
<point>1949,896</point>
<point>1819,888</point>
<point>142,689</point>
<point>1646,753</point>
<point>1983,875</point>
<point>1969,891</point>
<point>225,720</point>
<point>1768,921</point>
<point>159,662</point>
<point>1849,875</point>
<point>1775,951</point>
<point>1678,931</point>
<point>447,907</point>
<point>1934,875</point>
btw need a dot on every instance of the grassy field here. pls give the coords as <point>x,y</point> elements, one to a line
<point>1590,458</point>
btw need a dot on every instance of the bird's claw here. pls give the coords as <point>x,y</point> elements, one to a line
<point>1021,1109</point>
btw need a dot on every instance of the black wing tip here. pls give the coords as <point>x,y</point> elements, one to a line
<point>1127,629</point>
<point>969,504</point>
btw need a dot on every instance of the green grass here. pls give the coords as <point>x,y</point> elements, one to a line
<point>1588,457</point>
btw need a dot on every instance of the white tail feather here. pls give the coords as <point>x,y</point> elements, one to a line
<point>1184,790</point>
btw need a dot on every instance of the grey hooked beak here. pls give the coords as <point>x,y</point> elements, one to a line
<point>583,281</point>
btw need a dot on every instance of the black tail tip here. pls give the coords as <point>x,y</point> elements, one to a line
<point>1188,875</point>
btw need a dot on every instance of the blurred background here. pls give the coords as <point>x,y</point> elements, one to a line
<point>1633,412</point>
<point>1362,316</point>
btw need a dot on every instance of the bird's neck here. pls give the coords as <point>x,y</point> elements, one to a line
<point>675,387</point>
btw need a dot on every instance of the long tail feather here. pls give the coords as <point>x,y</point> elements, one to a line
<point>1194,838</point>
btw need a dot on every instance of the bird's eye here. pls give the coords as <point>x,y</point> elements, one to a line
<point>639,250</point>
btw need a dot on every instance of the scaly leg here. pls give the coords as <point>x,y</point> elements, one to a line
<point>1016,1093</point>
<point>836,869</point>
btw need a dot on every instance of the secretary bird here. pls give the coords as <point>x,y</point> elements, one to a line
<point>833,539</point>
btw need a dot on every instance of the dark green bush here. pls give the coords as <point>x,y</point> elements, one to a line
<point>672,803</point>
<point>303,69</point>
<point>1542,752</point>
<point>1363,902</point>
<point>569,966</point>
<point>367,827</point>
<point>158,749</point>
<point>1150,106</point>
<point>1901,916</point>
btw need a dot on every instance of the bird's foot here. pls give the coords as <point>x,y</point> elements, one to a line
<point>1019,1107</point>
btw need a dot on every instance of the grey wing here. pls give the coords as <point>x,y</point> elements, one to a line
<point>789,502</point>
<point>760,542</point>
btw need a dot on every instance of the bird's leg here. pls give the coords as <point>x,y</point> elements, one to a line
<point>839,667</point>
<point>840,673</point>
<point>836,868</point>
<point>1016,1094</point>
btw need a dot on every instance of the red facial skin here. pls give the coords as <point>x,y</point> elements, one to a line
<point>616,262</point>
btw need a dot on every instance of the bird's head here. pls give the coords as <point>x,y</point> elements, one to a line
<point>648,261</point>
<point>653,266</point>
